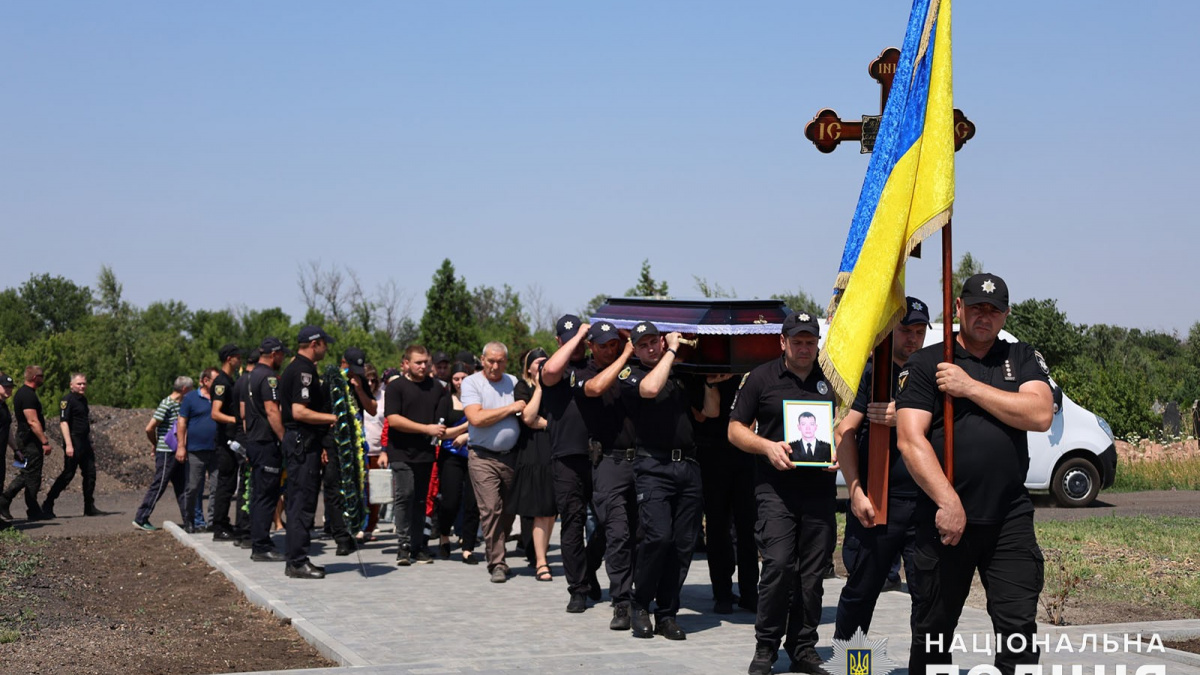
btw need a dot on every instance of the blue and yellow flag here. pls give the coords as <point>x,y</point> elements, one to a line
<point>907,195</point>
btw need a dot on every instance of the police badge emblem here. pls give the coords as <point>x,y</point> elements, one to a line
<point>272,382</point>
<point>860,655</point>
<point>219,390</point>
<point>62,405</point>
<point>306,379</point>
<point>1041,361</point>
<point>624,375</point>
<point>572,378</point>
<point>900,380</point>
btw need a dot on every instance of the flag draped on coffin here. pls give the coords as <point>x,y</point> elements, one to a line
<point>906,196</point>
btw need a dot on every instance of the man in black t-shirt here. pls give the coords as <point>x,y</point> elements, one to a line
<point>795,528</point>
<point>869,550</point>
<point>224,414</point>
<point>237,403</point>
<point>670,499</point>
<point>262,424</point>
<point>6,439</point>
<point>984,520</point>
<point>570,464</point>
<point>307,419</point>
<point>31,438</point>
<point>415,407</point>
<point>76,425</point>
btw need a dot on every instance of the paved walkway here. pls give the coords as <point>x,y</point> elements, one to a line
<point>448,618</point>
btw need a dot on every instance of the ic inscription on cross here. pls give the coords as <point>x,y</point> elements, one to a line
<point>826,130</point>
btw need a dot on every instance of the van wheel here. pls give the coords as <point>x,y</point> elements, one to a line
<point>1076,483</point>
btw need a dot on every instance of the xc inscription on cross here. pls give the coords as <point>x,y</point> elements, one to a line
<point>826,130</point>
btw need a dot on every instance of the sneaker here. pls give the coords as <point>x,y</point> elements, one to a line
<point>403,559</point>
<point>144,527</point>
<point>578,603</point>
<point>620,620</point>
<point>424,558</point>
<point>499,574</point>
<point>4,512</point>
<point>764,659</point>
<point>808,662</point>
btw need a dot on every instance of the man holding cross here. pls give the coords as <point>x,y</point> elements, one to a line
<point>984,519</point>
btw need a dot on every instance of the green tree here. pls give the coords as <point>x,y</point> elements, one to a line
<point>801,302</point>
<point>713,290</point>
<point>968,266</point>
<point>1043,325</point>
<point>57,304</point>
<point>17,323</point>
<point>646,286</point>
<point>448,322</point>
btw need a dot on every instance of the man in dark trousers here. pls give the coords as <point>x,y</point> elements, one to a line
<point>415,406</point>
<point>307,419</point>
<point>354,367</point>
<point>241,389</point>
<point>667,477</point>
<point>869,549</point>
<point>76,425</point>
<point>226,417</point>
<point>263,423</point>
<point>31,438</point>
<point>6,391</point>
<point>571,465</point>
<point>795,527</point>
<point>984,519</point>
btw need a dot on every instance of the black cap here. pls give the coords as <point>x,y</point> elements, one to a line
<point>567,327</point>
<point>356,358</point>
<point>228,351</point>
<point>915,311</point>
<point>310,333</point>
<point>533,355</point>
<point>7,382</point>
<point>465,357</point>
<point>987,288</point>
<point>641,330</point>
<point>389,375</point>
<point>602,333</point>
<point>801,322</point>
<point>253,355</point>
<point>271,345</point>
<point>439,357</point>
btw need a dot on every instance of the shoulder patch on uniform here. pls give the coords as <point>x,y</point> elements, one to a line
<point>572,378</point>
<point>62,404</point>
<point>306,379</point>
<point>743,382</point>
<point>219,389</point>
<point>272,382</point>
<point>624,375</point>
<point>900,380</point>
<point>1041,361</point>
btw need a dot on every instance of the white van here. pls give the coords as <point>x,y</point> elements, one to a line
<point>1074,460</point>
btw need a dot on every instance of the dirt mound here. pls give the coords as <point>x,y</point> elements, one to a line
<point>124,458</point>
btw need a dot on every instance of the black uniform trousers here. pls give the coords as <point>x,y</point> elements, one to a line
<point>615,499</point>
<point>1011,569</point>
<point>29,478</point>
<point>793,537</point>
<point>223,492</point>
<point>455,490</point>
<point>302,452</point>
<point>266,469</point>
<point>572,494</point>
<point>670,504</point>
<point>335,502</point>
<point>84,461</point>
<point>245,493</point>
<point>868,553</point>
<point>728,475</point>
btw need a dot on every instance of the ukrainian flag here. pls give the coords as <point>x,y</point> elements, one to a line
<point>907,196</point>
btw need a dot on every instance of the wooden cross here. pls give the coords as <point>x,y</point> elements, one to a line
<point>826,129</point>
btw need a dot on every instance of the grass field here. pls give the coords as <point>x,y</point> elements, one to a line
<point>1178,473</point>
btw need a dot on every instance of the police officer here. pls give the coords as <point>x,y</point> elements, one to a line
<point>224,414</point>
<point>307,419</point>
<point>984,520</point>
<point>263,434</point>
<point>869,550</point>
<point>35,445</point>
<point>795,528</point>
<point>241,388</point>
<point>667,478</point>
<point>76,425</point>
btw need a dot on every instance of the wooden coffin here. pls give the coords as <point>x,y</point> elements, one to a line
<point>733,336</point>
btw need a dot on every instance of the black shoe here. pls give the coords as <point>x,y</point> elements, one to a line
<point>191,529</point>
<point>223,535</point>
<point>92,511</point>
<point>723,607</point>
<point>444,551</point>
<point>890,585</point>
<point>578,603</point>
<point>640,623</point>
<point>669,629</point>
<point>620,620</point>
<point>267,556</point>
<point>593,587</point>
<point>470,559</point>
<point>35,515</point>
<point>305,571</point>
<point>424,558</point>
<point>5,502</point>
<point>245,542</point>
<point>764,659</point>
<point>749,604</point>
<point>830,573</point>
<point>48,511</point>
<point>403,559</point>
<point>808,662</point>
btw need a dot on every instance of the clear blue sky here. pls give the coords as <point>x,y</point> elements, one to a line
<point>560,143</point>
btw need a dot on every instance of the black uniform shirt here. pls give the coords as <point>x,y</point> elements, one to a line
<point>560,407</point>
<point>241,394</point>
<point>423,402</point>
<point>662,423</point>
<point>73,409</point>
<point>900,481</point>
<point>26,399</point>
<point>222,390</point>
<point>300,383</point>
<point>5,427</point>
<point>604,415</point>
<point>261,385</point>
<point>760,398</point>
<point>713,432</point>
<point>990,457</point>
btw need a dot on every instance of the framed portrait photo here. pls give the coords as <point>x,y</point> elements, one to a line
<point>808,429</point>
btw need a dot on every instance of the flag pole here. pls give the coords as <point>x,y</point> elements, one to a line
<point>948,349</point>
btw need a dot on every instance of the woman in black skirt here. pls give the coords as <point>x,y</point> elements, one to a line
<point>533,489</point>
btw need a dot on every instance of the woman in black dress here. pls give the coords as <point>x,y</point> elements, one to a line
<point>533,489</point>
